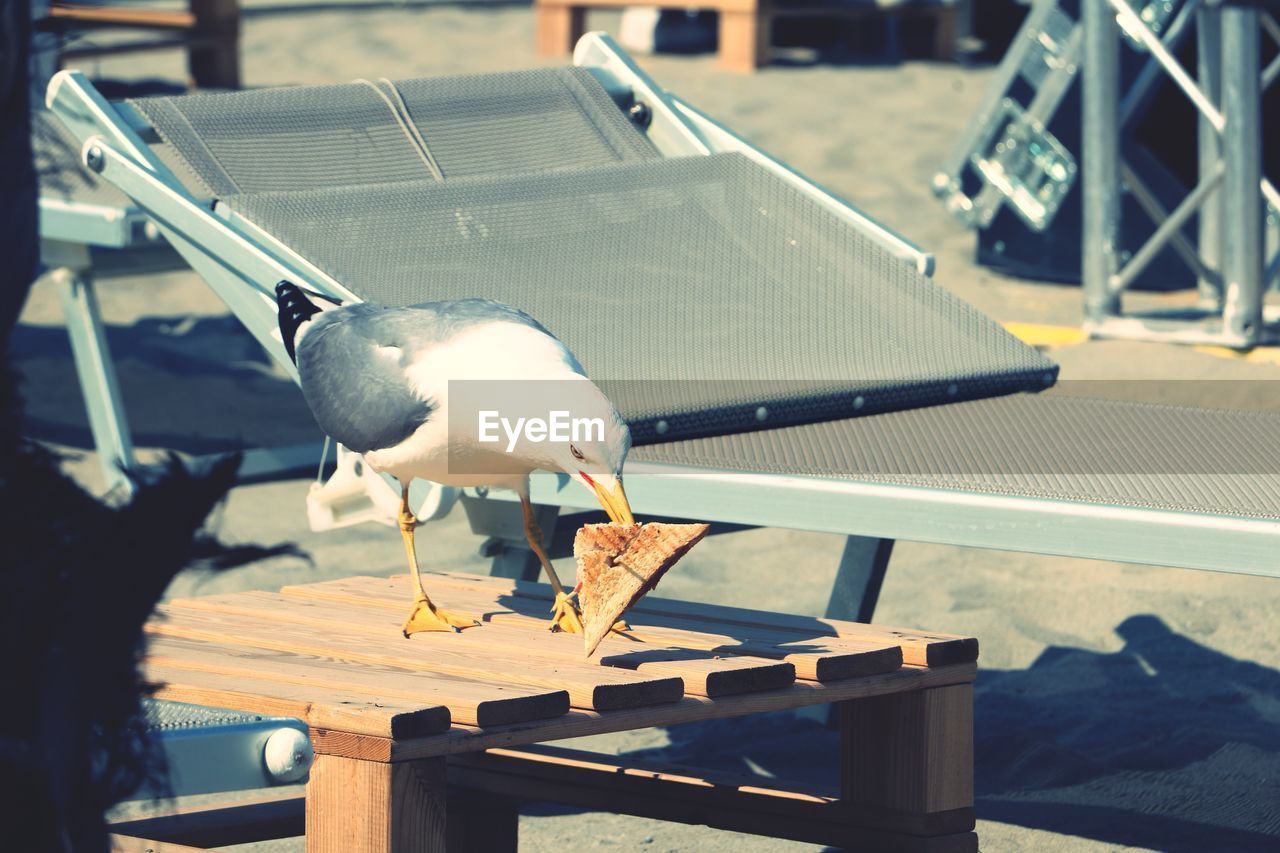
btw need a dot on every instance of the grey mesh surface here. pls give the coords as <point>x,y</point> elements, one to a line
<point>737,301</point>
<point>1043,446</point>
<point>57,162</point>
<point>324,136</point>
<point>163,715</point>
<point>734,300</point>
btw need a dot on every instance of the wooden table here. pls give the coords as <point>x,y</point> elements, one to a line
<point>746,26</point>
<point>393,719</point>
<point>209,30</point>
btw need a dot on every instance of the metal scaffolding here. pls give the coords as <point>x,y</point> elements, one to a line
<point>1008,157</point>
<point>1228,200</point>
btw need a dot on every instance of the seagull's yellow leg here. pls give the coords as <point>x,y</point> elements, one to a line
<point>565,615</point>
<point>425,615</point>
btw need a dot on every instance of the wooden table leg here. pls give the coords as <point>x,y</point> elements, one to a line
<point>357,806</point>
<point>214,62</point>
<point>944,33</point>
<point>558,28</point>
<point>910,752</point>
<point>745,37</point>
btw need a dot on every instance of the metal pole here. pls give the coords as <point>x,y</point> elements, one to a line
<point>1208,45</point>
<point>1171,225</point>
<point>97,374</point>
<point>1100,159</point>
<point>1168,61</point>
<point>859,578</point>
<point>1142,195</point>
<point>1242,157</point>
<point>1152,69</point>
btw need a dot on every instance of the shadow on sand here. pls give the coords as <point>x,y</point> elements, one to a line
<point>198,385</point>
<point>1165,744</point>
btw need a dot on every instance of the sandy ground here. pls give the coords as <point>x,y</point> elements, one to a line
<point>1118,706</point>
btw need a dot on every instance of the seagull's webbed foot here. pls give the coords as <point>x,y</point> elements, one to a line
<point>427,617</point>
<point>567,617</point>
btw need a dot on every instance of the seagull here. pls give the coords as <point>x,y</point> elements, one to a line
<point>377,380</point>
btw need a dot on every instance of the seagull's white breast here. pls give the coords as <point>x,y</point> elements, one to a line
<point>489,351</point>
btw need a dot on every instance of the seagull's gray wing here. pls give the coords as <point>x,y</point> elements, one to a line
<point>352,368</point>
<point>353,361</point>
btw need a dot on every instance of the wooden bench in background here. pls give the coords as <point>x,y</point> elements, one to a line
<point>209,30</point>
<point>746,26</point>
<point>432,743</point>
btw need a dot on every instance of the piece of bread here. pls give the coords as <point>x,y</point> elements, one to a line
<point>619,563</point>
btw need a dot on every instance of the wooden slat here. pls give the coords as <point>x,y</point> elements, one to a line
<point>319,707</point>
<point>221,824</point>
<point>820,659</point>
<point>130,844</point>
<point>84,16</point>
<point>578,723</point>
<point>250,652</point>
<point>827,659</point>
<point>692,795</point>
<point>919,648</point>
<point>703,672</point>
<point>596,688</point>
<point>824,660</point>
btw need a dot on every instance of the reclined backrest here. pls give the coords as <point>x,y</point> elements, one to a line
<point>324,136</point>
<point>737,301</point>
<point>732,299</point>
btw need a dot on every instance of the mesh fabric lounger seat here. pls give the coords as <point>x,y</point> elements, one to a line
<point>348,135</point>
<point>1165,485</point>
<point>396,723</point>
<point>1050,446</point>
<point>762,313</point>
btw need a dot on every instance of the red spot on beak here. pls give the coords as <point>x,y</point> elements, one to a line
<point>590,482</point>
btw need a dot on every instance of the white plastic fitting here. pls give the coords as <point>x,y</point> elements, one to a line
<point>288,755</point>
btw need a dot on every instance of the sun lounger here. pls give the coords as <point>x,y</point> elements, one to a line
<point>769,318</point>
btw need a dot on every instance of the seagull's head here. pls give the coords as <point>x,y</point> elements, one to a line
<point>595,455</point>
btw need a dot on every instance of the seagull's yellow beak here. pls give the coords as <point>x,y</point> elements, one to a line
<point>614,501</point>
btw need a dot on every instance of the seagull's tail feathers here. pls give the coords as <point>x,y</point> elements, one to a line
<point>296,308</point>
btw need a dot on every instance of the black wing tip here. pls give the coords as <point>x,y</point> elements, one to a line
<point>284,288</point>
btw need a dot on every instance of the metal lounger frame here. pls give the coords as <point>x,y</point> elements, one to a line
<point>242,264</point>
<point>68,232</point>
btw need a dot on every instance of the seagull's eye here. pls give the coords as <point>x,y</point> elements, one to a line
<point>577,454</point>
